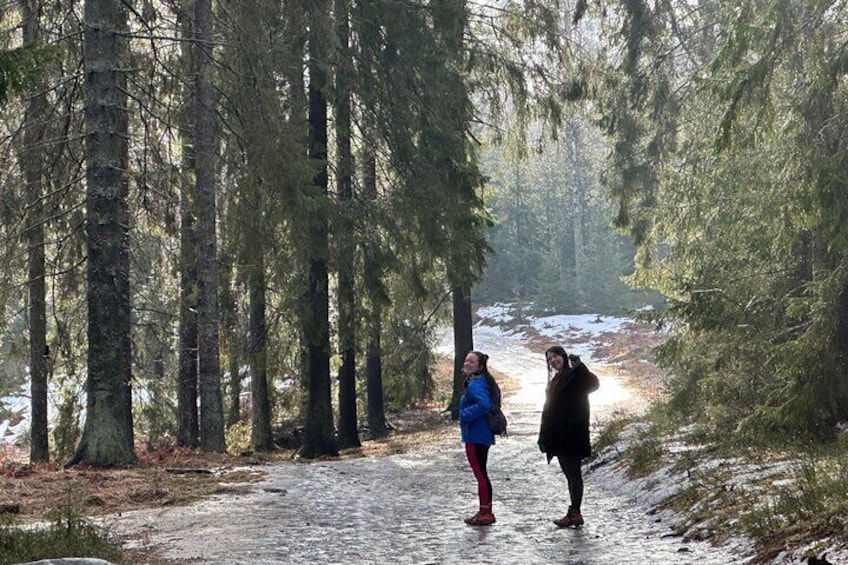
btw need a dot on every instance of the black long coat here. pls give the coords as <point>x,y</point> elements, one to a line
<point>565,417</point>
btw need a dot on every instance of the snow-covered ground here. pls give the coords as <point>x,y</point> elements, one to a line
<point>16,427</point>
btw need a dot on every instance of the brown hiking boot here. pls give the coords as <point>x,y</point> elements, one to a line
<point>481,519</point>
<point>572,519</point>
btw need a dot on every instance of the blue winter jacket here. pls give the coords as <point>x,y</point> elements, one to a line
<point>474,404</point>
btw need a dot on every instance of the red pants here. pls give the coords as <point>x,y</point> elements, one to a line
<point>477,456</point>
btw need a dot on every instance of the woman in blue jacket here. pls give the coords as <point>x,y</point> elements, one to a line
<point>474,404</point>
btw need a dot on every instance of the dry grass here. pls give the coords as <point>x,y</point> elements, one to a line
<point>163,478</point>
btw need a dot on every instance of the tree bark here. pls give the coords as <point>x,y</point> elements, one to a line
<point>107,438</point>
<point>463,342</point>
<point>578,194</point>
<point>373,289</point>
<point>229,324</point>
<point>211,403</point>
<point>234,412</point>
<point>188,425</point>
<point>261,438</point>
<point>188,430</point>
<point>32,159</point>
<point>348,433</point>
<point>319,435</point>
<point>374,371</point>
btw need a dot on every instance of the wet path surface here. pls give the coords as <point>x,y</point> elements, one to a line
<point>409,508</point>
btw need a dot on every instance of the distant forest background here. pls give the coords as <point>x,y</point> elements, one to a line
<point>553,242</point>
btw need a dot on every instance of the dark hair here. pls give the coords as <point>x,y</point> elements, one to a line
<point>482,361</point>
<point>557,350</point>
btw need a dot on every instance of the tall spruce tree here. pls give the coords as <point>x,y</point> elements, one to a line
<point>348,434</point>
<point>319,436</point>
<point>448,147</point>
<point>731,118</point>
<point>367,20</point>
<point>188,420</point>
<point>211,403</point>
<point>107,438</point>
<point>33,163</point>
<point>377,299</point>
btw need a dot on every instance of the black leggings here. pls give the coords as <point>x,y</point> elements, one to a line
<point>477,456</point>
<point>574,475</point>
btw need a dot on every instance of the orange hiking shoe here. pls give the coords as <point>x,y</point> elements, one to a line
<point>481,520</point>
<point>572,519</point>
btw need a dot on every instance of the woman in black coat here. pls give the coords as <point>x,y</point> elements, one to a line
<point>564,432</point>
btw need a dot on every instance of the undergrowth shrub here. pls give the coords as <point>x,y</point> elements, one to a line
<point>645,455</point>
<point>238,437</point>
<point>814,500</point>
<point>610,431</point>
<point>68,534</point>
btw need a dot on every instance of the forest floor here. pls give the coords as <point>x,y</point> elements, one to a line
<point>170,476</point>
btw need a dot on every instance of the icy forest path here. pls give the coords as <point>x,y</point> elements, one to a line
<point>409,508</point>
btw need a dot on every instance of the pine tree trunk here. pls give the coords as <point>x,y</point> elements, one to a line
<point>107,438</point>
<point>319,437</point>
<point>211,403</point>
<point>234,412</point>
<point>578,193</point>
<point>374,373</point>
<point>463,341</point>
<point>261,438</point>
<point>188,424</point>
<point>373,356</point>
<point>31,162</point>
<point>348,425</point>
<point>229,326</point>
<point>188,430</point>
